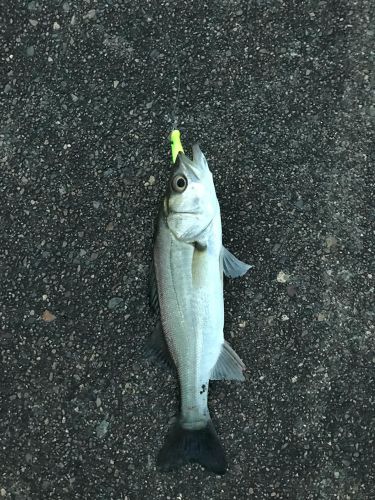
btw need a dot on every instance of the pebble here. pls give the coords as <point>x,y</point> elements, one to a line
<point>48,317</point>
<point>115,303</point>
<point>33,22</point>
<point>151,181</point>
<point>155,54</point>
<point>91,14</point>
<point>331,242</point>
<point>299,203</point>
<point>102,429</point>
<point>321,316</point>
<point>30,51</point>
<point>282,277</point>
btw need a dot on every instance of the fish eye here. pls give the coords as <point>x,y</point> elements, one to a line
<point>179,183</point>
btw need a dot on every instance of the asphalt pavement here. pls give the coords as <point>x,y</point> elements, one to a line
<point>279,94</point>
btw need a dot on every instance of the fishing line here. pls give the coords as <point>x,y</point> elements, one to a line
<point>177,99</point>
<point>176,64</point>
<point>174,137</point>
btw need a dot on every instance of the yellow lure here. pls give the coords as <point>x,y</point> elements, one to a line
<point>176,145</point>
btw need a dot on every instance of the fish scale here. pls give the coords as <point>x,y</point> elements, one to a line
<point>185,318</point>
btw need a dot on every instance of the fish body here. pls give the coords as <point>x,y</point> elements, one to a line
<point>189,261</point>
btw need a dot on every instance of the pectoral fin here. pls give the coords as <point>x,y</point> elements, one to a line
<point>229,366</point>
<point>233,267</point>
<point>157,349</point>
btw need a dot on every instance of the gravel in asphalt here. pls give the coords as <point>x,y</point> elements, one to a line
<point>280,97</point>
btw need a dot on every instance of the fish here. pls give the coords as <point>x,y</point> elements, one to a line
<point>186,292</point>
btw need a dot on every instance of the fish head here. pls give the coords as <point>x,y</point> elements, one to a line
<point>190,204</point>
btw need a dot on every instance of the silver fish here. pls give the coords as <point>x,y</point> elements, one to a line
<point>187,293</point>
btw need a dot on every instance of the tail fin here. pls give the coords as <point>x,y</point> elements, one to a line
<point>182,446</point>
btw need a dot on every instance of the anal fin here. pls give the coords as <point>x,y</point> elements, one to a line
<point>229,366</point>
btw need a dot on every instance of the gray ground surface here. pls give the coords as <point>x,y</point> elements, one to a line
<point>279,96</point>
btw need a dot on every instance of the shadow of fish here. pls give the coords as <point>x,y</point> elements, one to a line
<point>187,294</point>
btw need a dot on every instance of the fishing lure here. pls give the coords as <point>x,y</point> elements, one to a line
<point>176,145</point>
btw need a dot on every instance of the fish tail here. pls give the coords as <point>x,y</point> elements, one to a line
<point>182,446</point>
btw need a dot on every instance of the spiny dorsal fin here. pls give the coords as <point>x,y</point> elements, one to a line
<point>156,348</point>
<point>153,291</point>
